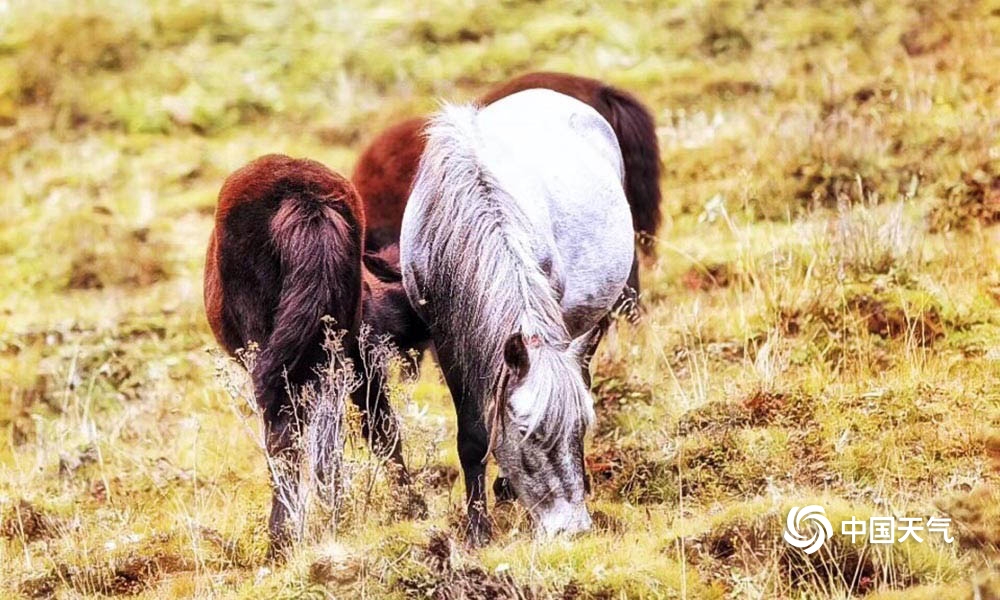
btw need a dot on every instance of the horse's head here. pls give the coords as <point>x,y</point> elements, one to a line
<point>542,412</point>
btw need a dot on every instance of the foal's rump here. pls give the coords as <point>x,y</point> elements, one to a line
<point>285,251</point>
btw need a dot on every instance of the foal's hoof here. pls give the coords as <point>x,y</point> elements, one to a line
<point>503,491</point>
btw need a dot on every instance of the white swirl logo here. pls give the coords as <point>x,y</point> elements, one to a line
<point>821,529</point>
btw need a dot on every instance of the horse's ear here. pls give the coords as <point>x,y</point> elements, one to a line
<point>581,345</point>
<point>515,354</point>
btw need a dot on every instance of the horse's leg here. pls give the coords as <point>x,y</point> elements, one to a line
<point>282,428</point>
<point>381,429</point>
<point>633,276</point>
<point>473,442</point>
<point>628,303</point>
<point>503,491</point>
<point>595,340</point>
<point>588,356</point>
<point>379,425</point>
<point>472,446</point>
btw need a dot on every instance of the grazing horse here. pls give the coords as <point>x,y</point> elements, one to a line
<point>515,244</point>
<point>286,251</point>
<point>386,169</point>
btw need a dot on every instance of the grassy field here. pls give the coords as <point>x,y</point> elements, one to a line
<point>822,324</point>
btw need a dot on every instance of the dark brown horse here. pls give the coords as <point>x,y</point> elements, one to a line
<point>386,168</point>
<point>287,250</point>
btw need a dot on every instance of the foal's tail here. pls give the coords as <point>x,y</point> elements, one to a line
<point>320,258</point>
<point>636,132</point>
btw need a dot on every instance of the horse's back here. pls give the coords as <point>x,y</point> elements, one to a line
<point>560,161</point>
<point>552,129</point>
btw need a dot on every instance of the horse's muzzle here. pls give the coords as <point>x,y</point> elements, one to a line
<point>564,518</point>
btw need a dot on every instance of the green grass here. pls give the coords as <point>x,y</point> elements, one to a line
<point>822,322</point>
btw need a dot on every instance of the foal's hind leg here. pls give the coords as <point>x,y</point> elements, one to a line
<point>284,455</point>
<point>381,430</point>
<point>378,423</point>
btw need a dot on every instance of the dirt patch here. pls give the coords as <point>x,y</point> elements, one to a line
<point>338,135</point>
<point>121,255</point>
<point>825,185</point>
<point>27,522</point>
<point>872,94</point>
<point>708,277</point>
<point>730,88</point>
<point>725,42</point>
<point>122,577</point>
<point>908,316</point>
<point>974,200</point>
<point>926,36</point>
<point>751,538</point>
<point>614,388</point>
<point>90,272</point>
<point>443,577</point>
<point>755,545</point>
<point>891,321</point>
<point>977,515</point>
<point>759,409</point>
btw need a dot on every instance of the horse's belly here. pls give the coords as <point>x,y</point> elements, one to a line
<point>575,200</point>
<point>595,250</point>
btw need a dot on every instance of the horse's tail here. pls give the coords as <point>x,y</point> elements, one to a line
<point>636,132</point>
<point>319,253</point>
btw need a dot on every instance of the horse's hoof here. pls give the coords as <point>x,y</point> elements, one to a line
<point>279,550</point>
<point>479,534</point>
<point>503,491</point>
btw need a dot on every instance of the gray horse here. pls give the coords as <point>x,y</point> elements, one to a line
<point>516,242</point>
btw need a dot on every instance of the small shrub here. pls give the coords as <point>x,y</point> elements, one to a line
<point>975,200</point>
<point>26,522</point>
<point>866,240</point>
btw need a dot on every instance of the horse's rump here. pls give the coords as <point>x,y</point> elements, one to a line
<point>583,89</point>
<point>286,250</point>
<point>633,126</point>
